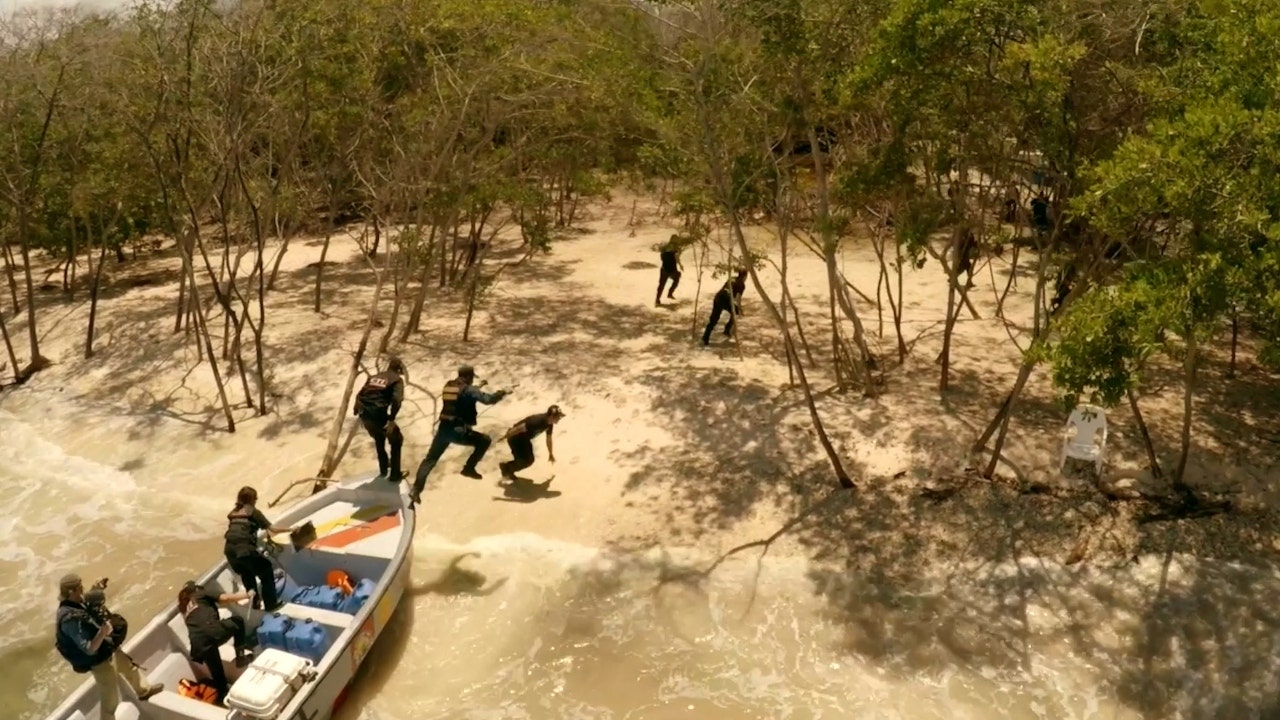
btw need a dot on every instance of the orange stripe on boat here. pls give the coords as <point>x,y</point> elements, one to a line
<point>359,532</point>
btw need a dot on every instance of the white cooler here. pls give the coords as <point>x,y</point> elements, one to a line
<point>269,683</point>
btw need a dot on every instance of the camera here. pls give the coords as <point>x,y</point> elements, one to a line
<point>95,604</point>
<point>95,601</point>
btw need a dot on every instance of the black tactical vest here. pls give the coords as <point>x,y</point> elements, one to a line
<point>242,533</point>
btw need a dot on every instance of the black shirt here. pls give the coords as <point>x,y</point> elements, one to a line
<point>668,259</point>
<point>204,625</point>
<point>381,393</point>
<point>535,425</point>
<point>735,286</point>
<point>243,525</point>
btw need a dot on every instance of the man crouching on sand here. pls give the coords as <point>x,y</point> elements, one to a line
<point>520,439</point>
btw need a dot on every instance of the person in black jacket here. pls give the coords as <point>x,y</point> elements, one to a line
<point>86,642</point>
<point>207,630</point>
<point>728,299</point>
<point>520,439</point>
<point>670,257</point>
<point>376,405</point>
<point>241,549</point>
<point>457,422</point>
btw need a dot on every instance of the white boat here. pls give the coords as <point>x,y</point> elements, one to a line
<point>364,528</point>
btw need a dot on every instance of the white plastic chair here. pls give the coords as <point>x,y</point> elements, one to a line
<point>1086,436</point>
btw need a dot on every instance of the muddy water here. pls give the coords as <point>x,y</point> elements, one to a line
<point>521,626</point>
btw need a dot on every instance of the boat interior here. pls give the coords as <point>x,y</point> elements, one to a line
<point>360,529</point>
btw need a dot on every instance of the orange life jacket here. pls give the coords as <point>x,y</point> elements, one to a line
<point>198,691</point>
<point>341,580</point>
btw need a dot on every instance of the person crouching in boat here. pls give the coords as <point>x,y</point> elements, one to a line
<point>85,638</point>
<point>208,631</point>
<point>241,549</point>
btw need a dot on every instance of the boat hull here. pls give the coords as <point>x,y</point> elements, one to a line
<point>361,537</point>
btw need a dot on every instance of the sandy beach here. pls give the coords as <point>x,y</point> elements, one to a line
<point>665,444</point>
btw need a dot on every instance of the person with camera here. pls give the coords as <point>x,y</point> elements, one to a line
<point>89,636</point>
<point>208,631</point>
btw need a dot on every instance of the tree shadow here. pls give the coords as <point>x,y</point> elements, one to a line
<point>981,581</point>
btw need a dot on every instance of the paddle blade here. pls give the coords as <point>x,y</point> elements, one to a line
<point>303,536</point>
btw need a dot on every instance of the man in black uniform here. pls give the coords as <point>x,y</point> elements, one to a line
<point>376,405</point>
<point>457,420</point>
<point>670,254</point>
<point>728,299</point>
<point>520,439</point>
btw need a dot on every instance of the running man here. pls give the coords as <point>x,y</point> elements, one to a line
<point>376,405</point>
<point>728,299</point>
<point>457,423</point>
<point>520,439</point>
<point>671,267</point>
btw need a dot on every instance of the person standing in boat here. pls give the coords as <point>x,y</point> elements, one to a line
<point>520,439</point>
<point>242,553</point>
<point>208,631</point>
<point>457,425</point>
<point>376,405</point>
<point>86,643</point>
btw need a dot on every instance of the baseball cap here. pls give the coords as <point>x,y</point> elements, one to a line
<point>466,371</point>
<point>555,410</point>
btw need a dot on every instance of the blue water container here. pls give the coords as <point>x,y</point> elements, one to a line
<point>358,597</point>
<point>308,639</point>
<point>286,588</point>
<point>273,630</point>
<point>324,598</point>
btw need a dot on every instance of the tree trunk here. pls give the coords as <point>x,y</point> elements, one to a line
<point>260,269</point>
<point>1002,414</point>
<point>804,343</point>
<point>275,265</point>
<point>862,363</point>
<point>69,268</point>
<point>93,299</point>
<point>471,304</point>
<point>377,236</point>
<point>1235,339</point>
<point>419,300</point>
<point>842,477</point>
<point>8,346</point>
<point>182,289</point>
<point>953,280</point>
<point>13,282</point>
<point>324,252</point>
<point>1011,283</point>
<point>38,361</point>
<point>1152,460</point>
<point>327,465</point>
<point>1188,398</point>
<point>397,299</point>
<point>203,329</point>
<point>699,260</point>
<point>880,283</point>
<point>838,355</point>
